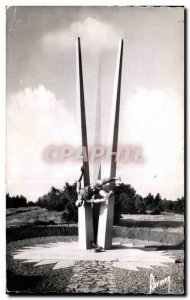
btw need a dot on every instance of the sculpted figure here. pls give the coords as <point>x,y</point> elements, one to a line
<point>95,192</point>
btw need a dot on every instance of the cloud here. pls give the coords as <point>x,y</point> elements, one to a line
<point>94,34</point>
<point>35,120</point>
<point>150,119</point>
<point>153,120</point>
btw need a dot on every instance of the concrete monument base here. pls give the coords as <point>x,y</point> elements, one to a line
<point>85,228</point>
<point>105,224</point>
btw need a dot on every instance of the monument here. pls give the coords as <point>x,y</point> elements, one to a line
<point>95,220</point>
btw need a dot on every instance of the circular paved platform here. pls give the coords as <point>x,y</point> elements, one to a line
<point>64,254</point>
<point>57,265</point>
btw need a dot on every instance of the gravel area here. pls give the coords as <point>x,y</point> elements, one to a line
<point>25,278</point>
<point>130,282</point>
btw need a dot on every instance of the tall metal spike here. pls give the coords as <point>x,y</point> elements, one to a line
<point>114,120</point>
<point>97,162</point>
<point>81,110</point>
<point>85,221</point>
<point>105,225</point>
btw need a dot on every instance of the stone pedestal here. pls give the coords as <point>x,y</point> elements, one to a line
<point>96,213</point>
<point>105,225</point>
<point>85,226</point>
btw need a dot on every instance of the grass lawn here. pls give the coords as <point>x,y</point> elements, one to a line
<point>165,220</point>
<point>28,215</point>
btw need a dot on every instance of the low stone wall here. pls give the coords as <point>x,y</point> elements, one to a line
<point>150,234</point>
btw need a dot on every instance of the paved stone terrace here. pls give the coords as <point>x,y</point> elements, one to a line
<point>92,277</point>
<point>88,276</point>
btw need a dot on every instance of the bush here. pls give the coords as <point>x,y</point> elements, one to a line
<point>31,203</point>
<point>40,223</point>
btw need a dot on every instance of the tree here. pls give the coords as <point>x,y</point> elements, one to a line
<point>31,203</point>
<point>15,201</point>
<point>149,201</point>
<point>168,205</point>
<point>70,213</point>
<point>124,201</point>
<point>157,200</point>
<point>158,204</point>
<point>140,204</point>
<point>53,200</point>
<point>61,200</point>
<point>178,206</point>
<point>160,207</point>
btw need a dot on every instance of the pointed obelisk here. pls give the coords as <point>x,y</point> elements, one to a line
<point>85,221</point>
<point>105,225</point>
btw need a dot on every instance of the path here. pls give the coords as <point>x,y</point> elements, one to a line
<point>92,277</point>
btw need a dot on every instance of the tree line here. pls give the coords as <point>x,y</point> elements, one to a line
<point>127,201</point>
<point>15,201</point>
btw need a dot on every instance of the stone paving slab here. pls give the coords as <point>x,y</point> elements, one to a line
<point>69,251</point>
<point>92,277</point>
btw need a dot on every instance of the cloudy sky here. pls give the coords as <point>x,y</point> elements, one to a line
<point>41,92</point>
